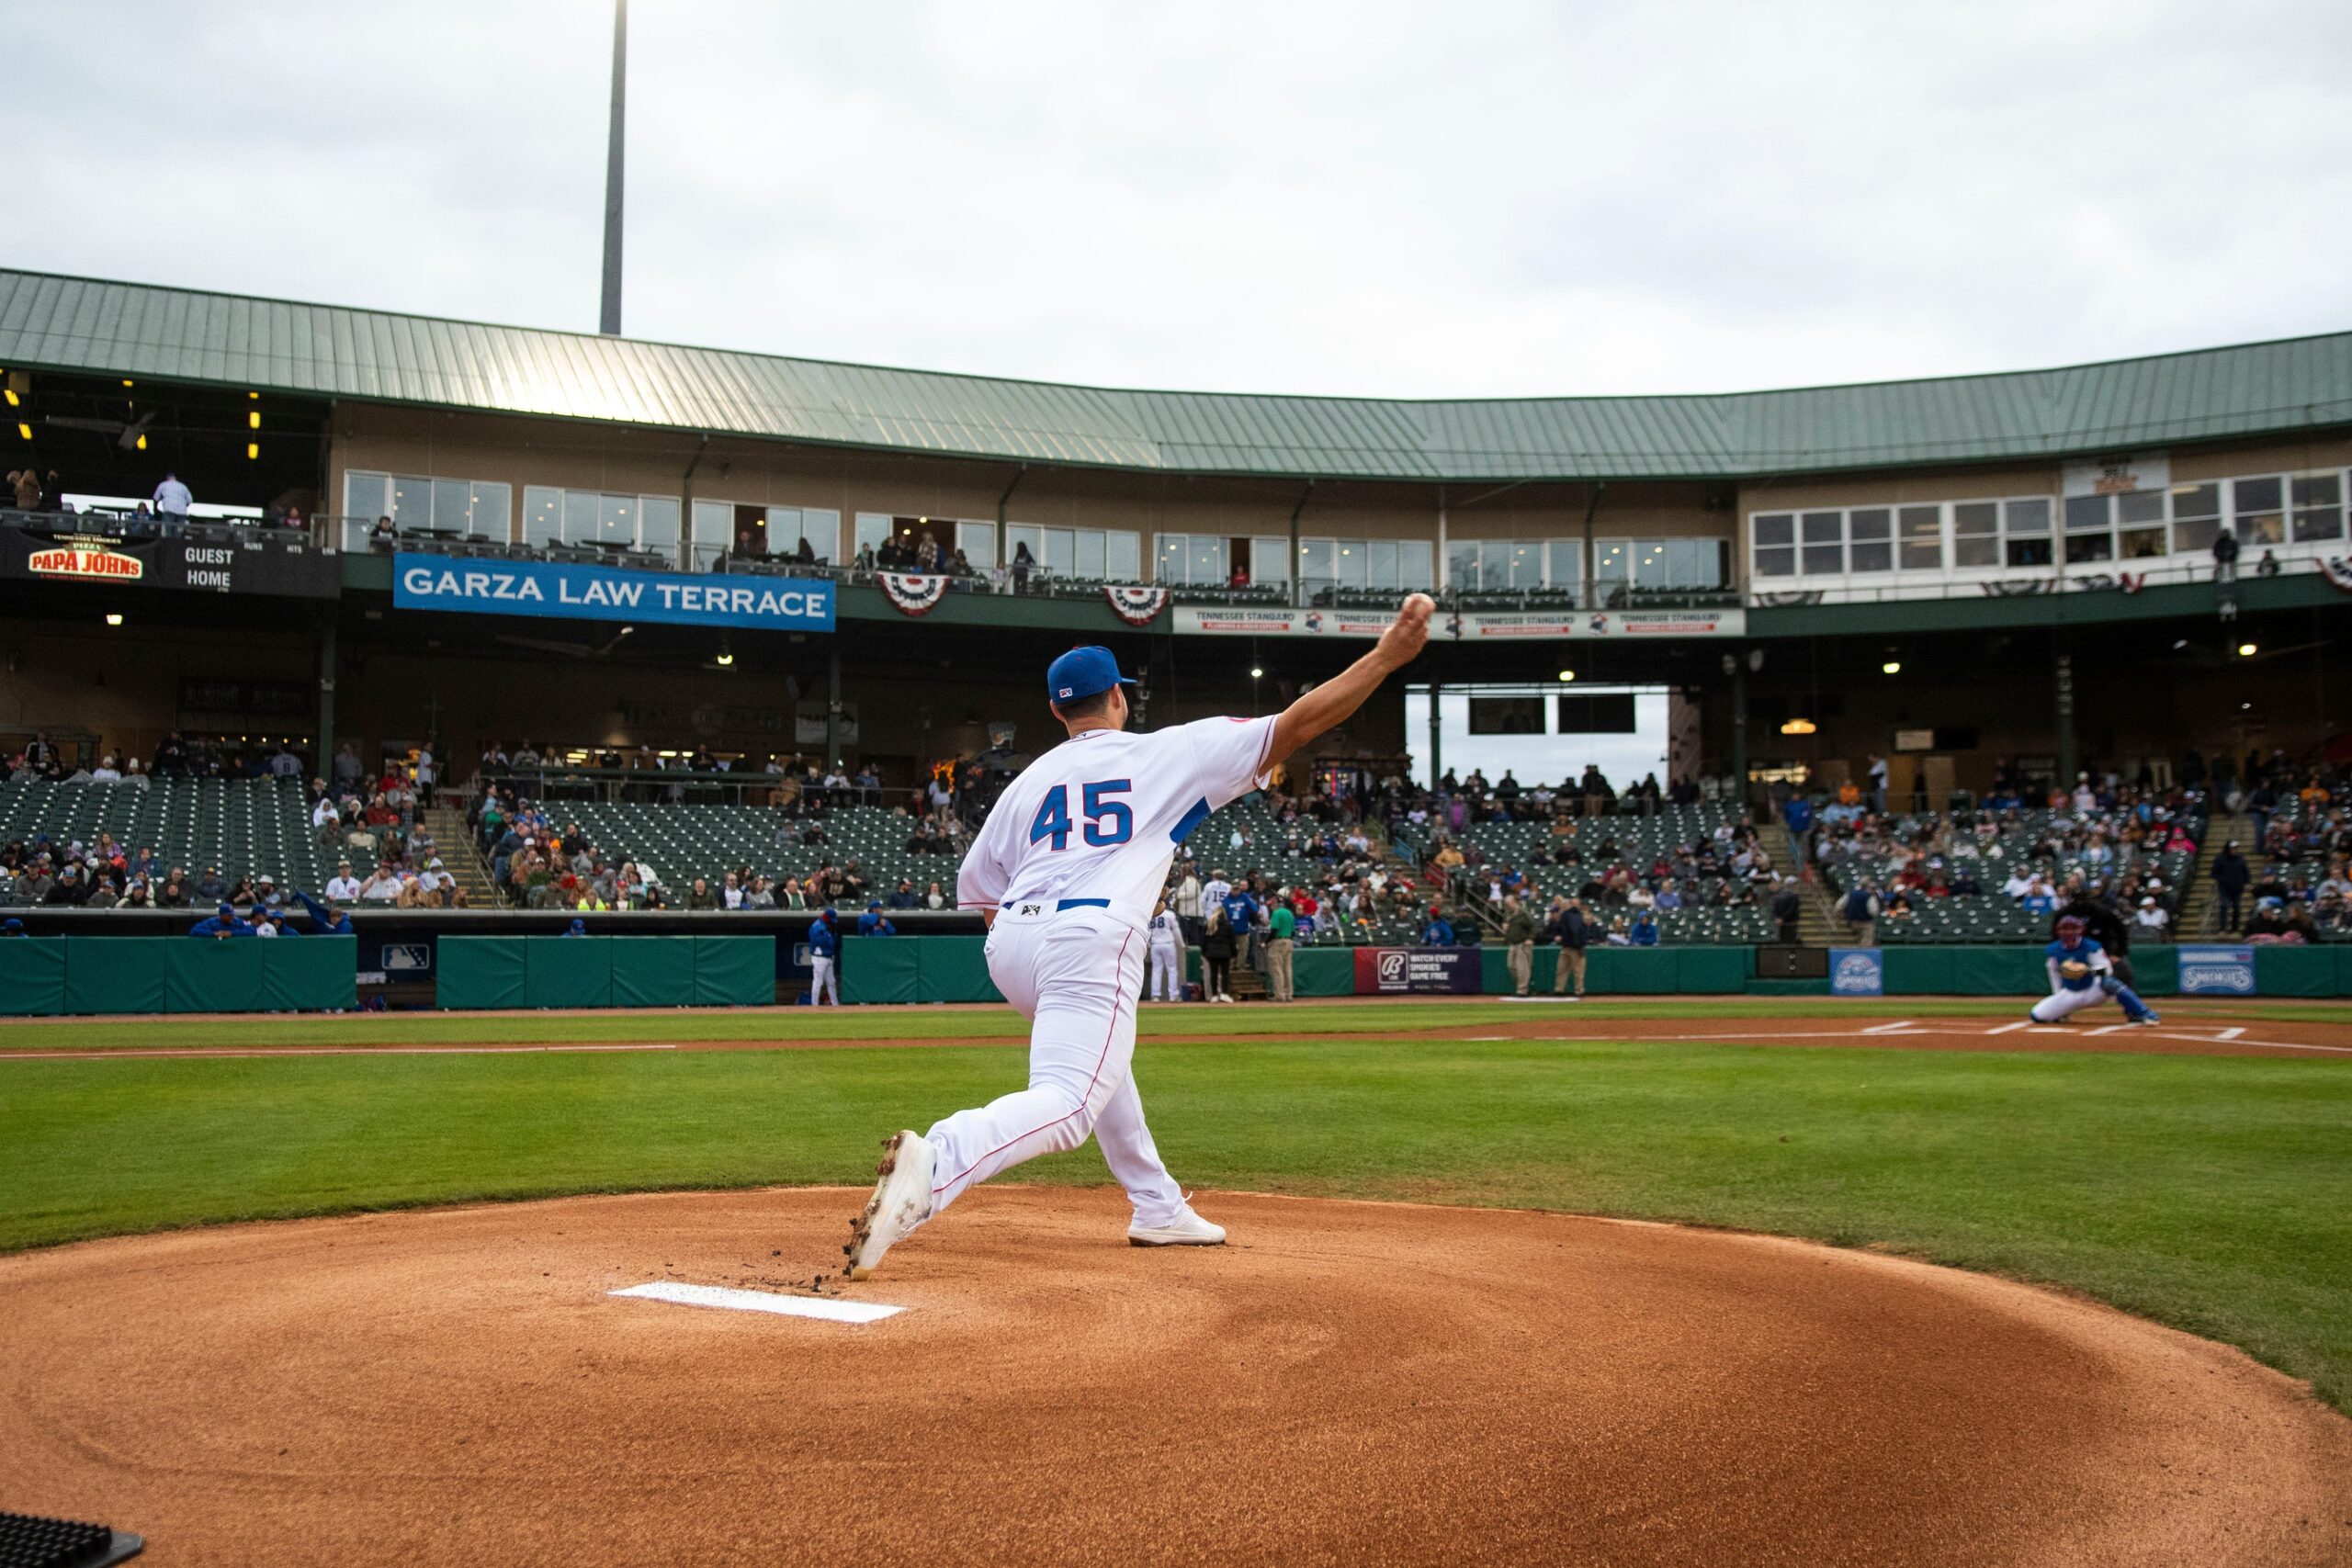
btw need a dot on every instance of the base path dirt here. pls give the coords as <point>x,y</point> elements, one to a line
<point>1346,1382</point>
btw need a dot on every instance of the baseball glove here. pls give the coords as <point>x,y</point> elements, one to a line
<point>2073,969</point>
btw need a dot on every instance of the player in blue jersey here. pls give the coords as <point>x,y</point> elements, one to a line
<point>2082,976</point>
<point>1066,872</point>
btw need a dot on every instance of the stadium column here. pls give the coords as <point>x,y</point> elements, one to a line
<point>1739,731</point>
<point>1437,748</point>
<point>833,701</point>
<point>326,700</point>
<point>2065,678</point>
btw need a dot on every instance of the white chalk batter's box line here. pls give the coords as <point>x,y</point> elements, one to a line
<point>732,1300</point>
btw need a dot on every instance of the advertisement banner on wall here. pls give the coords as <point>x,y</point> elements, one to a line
<point>564,591</point>
<point>1857,972</point>
<point>265,562</point>
<point>1388,970</point>
<point>1582,625</point>
<point>2216,971</point>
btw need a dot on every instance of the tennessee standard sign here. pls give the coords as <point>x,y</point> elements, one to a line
<point>261,563</point>
<point>609,594</point>
<point>1576,625</point>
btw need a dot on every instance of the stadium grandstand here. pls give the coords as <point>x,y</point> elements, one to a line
<point>286,584</point>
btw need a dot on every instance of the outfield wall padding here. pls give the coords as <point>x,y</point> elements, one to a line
<point>2297,972</point>
<point>916,969</point>
<point>606,970</point>
<point>32,976</point>
<point>98,974</point>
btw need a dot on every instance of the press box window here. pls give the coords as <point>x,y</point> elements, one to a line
<point>1824,544</point>
<point>1776,543</point>
<point>1921,538</point>
<point>2090,528</point>
<point>1871,530</point>
<point>2258,517</point>
<point>2026,529</point>
<point>2139,524</point>
<point>2319,507</point>
<point>1976,534</point>
<point>2195,517</point>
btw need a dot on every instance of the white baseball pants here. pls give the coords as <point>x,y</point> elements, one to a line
<point>1073,974</point>
<point>2059,1004</point>
<point>822,980</point>
<point>1166,984</point>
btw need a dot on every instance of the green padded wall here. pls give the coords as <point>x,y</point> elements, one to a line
<point>648,971</point>
<point>310,974</point>
<point>121,974</point>
<point>32,975</point>
<point>2294,972</point>
<point>1965,971</point>
<point>480,972</point>
<point>732,972</point>
<point>214,976</point>
<point>567,972</point>
<point>953,969</point>
<point>1323,971</point>
<point>2156,971</point>
<point>882,968</point>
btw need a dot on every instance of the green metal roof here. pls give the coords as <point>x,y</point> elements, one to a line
<point>85,324</point>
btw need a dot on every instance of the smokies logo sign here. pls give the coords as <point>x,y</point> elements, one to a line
<point>95,562</point>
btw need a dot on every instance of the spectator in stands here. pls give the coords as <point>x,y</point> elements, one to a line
<point>1439,931</point>
<point>1860,908</point>
<point>2150,920</point>
<point>222,924</point>
<point>1787,906</point>
<point>72,889</point>
<point>699,895</point>
<point>1216,946</point>
<point>383,538</point>
<point>1023,563</point>
<point>1594,786</point>
<point>1644,930</point>
<point>342,888</point>
<point>383,885</point>
<point>2225,557</point>
<point>904,895</point>
<point>26,485</point>
<point>824,957</point>
<point>172,500</point>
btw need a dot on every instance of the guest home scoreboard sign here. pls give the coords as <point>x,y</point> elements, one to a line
<point>257,561</point>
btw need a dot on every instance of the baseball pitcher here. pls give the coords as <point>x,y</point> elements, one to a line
<point>1066,872</point>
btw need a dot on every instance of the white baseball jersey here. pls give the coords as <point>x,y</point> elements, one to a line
<point>1099,817</point>
<point>1165,930</point>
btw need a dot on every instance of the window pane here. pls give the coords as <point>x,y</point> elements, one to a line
<point>542,514</point>
<point>2139,544</point>
<point>1922,538</point>
<point>2319,511</point>
<point>1566,564</point>
<point>1974,517</point>
<point>1649,564</point>
<point>412,501</point>
<point>1825,552</point>
<point>1352,569</point>
<point>1774,528</point>
<point>1524,565</point>
<point>491,509</point>
<point>1122,554</point>
<point>1090,554</point>
<point>616,519</point>
<point>1169,564</point>
<point>452,500</point>
<point>874,532</point>
<point>1061,552</point>
<point>822,526</point>
<point>367,496</point>
<point>2138,508</point>
<point>2028,516</point>
<point>1269,559</point>
<point>2089,548</point>
<point>714,523</point>
<point>1205,553</point>
<point>2258,517</point>
<point>579,516</point>
<point>657,522</point>
<point>1380,564</point>
<point>1318,563</point>
<point>2196,516</point>
<point>978,541</point>
<point>1776,561</point>
<point>2086,511</point>
<point>2028,524</point>
<point>1872,528</point>
<point>1462,563</point>
<point>1610,560</point>
<point>1417,564</point>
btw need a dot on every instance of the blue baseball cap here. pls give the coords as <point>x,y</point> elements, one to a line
<point>1081,673</point>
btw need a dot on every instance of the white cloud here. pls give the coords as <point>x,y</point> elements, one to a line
<point>1411,200</point>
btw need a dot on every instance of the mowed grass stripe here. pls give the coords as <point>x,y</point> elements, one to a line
<point>2211,1193</point>
<point>788,1024</point>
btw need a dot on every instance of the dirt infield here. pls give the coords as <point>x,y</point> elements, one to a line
<point>2198,1035</point>
<point>1346,1382</point>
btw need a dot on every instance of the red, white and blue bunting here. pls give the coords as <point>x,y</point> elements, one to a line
<point>914,593</point>
<point>2337,571</point>
<point>1136,606</point>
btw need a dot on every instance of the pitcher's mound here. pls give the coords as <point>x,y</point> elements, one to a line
<point>1344,1383</point>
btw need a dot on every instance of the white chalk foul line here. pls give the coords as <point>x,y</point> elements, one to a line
<point>218,1053</point>
<point>759,1301</point>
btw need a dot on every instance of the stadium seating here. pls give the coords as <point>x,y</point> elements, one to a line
<point>246,827</point>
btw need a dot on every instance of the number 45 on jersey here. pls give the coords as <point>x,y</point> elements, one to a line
<point>1108,821</point>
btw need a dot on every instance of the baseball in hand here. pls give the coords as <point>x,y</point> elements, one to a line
<point>1403,638</point>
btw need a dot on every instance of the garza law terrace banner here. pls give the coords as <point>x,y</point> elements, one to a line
<point>610,593</point>
<point>1579,623</point>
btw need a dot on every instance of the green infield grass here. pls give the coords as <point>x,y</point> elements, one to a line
<point>2212,1193</point>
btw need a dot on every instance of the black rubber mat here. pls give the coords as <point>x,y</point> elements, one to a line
<point>30,1543</point>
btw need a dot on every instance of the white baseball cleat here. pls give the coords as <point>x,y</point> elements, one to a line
<point>1188,1229</point>
<point>901,1201</point>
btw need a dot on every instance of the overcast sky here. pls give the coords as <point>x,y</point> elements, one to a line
<point>1437,200</point>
